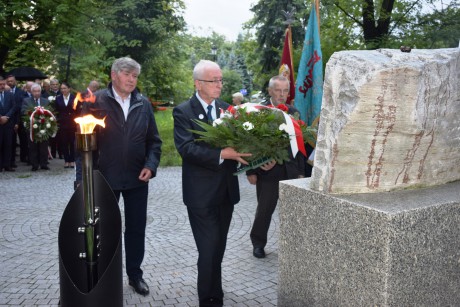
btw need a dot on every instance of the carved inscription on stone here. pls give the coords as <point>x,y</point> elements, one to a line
<point>389,120</point>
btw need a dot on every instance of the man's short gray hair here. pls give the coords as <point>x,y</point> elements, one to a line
<point>34,86</point>
<point>201,66</point>
<point>272,81</point>
<point>126,64</point>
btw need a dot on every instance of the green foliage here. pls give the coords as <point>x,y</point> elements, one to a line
<point>165,124</point>
<point>140,24</point>
<point>232,84</point>
<point>166,74</point>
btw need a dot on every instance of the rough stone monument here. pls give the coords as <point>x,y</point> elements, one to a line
<point>378,222</point>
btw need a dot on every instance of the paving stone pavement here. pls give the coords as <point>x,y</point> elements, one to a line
<point>31,206</point>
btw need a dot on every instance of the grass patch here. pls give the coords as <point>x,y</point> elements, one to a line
<point>24,176</point>
<point>165,124</point>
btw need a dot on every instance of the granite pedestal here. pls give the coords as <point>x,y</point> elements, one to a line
<point>397,248</point>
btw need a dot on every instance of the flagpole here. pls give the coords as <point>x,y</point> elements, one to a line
<point>316,4</point>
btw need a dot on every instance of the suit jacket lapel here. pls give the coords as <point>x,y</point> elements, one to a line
<point>198,110</point>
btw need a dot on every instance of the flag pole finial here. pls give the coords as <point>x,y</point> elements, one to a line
<point>289,15</point>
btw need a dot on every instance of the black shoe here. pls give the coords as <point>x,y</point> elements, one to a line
<point>259,252</point>
<point>34,169</point>
<point>46,168</point>
<point>140,286</point>
<point>14,166</point>
<point>9,169</point>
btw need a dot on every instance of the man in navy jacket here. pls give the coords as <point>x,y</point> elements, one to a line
<point>129,154</point>
<point>209,188</point>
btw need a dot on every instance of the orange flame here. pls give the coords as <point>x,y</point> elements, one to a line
<point>87,97</point>
<point>88,123</point>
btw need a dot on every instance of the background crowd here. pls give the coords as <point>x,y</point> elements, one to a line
<point>15,104</point>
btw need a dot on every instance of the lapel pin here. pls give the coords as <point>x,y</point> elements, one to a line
<point>201,116</point>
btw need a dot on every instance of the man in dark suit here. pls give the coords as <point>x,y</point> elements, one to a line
<point>46,87</point>
<point>7,113</point>
<point>38,151</point>
<point>209,188</point>
<point>267,181</point>
<point>19,129</point>
<point>54,88</point>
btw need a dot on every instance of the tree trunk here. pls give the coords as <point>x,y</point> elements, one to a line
<point>375,32</point>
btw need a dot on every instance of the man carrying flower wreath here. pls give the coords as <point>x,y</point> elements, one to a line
<point>267,181</point>
<point>38,148</point>
<point>209,188</point>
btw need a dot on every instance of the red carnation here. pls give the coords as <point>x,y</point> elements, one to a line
<point>42,121</point>
<point>301,123</point>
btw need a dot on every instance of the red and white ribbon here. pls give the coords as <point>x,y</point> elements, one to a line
<point>39,111</point>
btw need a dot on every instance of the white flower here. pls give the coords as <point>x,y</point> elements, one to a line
<point>51,119</point>
<point>51,98</point>
<point>35,126</point>
<point>25,124</point>
<point>283,127</point>
<point>226,115</point>
<point>218,121</point>
<point>248,126</point>
<point>42,131</point>
<point>48,125</point>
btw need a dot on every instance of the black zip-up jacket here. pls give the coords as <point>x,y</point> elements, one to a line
<point>125,146</point>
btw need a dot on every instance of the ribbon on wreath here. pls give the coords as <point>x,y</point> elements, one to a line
<point>293,129</point>
<point>39,111</point>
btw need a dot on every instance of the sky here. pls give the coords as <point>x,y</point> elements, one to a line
<point>225,17</point>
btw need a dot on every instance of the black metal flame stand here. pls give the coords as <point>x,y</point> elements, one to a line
<point>90,253</point>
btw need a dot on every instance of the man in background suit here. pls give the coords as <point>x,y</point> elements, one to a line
<point>7,120</point>
<point>209,188</point>
<point>267,181</point>
<point>19,129</point>
<point>38,151</point>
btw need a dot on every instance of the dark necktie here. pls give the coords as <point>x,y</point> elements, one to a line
<point>36,102</point>
<point>209,114</point>
<point>1,99</point>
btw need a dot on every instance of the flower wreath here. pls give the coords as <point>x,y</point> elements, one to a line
<point>264,131</point>
<point>41,124</point>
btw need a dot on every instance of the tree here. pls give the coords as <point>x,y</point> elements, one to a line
<point>387,23</point>
<point>138,25</point>
<point>269,20</point>
<point>25,32</point>
<point>232,84</point>
<point>441,28</point>
<point>348,25</point>
<point>237,62</point>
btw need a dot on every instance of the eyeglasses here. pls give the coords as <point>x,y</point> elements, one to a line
<point>215,82</point>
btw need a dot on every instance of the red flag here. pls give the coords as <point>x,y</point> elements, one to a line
<point>286,67</point>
